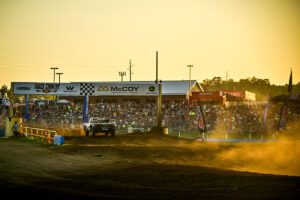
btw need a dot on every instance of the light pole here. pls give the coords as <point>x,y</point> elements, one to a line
<point>54,68</point>
<point>59,76</point>
<point>190,66</point>
<point>122,74</point>
<point>159,97</point>
<point>130,73</point>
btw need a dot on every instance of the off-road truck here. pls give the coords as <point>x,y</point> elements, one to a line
<point>99,125</point>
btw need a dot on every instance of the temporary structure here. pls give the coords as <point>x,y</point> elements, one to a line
<point>63,101</point>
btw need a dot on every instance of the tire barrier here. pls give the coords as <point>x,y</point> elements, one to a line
<point>38,133</point>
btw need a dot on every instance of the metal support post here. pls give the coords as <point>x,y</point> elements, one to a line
<point>86,109</point>
<point>26,115</point>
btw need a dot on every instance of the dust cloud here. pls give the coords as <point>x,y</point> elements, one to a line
<point>281,157</point>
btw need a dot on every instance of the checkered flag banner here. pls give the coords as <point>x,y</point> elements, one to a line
<point>87,89</point>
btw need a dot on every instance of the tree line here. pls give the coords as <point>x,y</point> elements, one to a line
<point>261,87</point>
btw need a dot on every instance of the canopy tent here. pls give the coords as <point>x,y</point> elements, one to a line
<point>63,101</point>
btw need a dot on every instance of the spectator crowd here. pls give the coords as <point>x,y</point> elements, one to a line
<point>178,117</point>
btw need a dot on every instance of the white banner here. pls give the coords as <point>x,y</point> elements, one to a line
<point>82,89</point>
<point>126,90</point>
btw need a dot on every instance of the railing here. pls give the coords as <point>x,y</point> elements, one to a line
<point>229,138</point>
<point>3,114</point>
<point>36,133</point>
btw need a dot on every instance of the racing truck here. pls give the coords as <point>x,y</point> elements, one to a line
<point>99,125</point>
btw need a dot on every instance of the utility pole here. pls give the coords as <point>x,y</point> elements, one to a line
<point>159,98</point>
<point>59,76</point>
<point>122,74</point>
<point>190,85</point>
<point>54,68</point>
<point>156,80</point>
<point>130,65</point>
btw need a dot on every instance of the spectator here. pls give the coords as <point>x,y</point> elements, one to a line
<point>15,129</point>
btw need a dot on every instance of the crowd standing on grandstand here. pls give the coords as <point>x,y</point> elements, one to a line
<point>178,117</point>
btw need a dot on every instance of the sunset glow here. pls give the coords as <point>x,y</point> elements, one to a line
<point>94,40</point>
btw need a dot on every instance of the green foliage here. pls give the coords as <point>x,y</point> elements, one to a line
<point>261,87</point>
<point>4,91</point>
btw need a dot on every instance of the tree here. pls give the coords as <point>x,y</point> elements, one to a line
<point>4,91</point>
<point>261,87</point>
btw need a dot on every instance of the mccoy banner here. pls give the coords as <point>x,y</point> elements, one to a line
<point>83,89</point>
<point>126,90</point>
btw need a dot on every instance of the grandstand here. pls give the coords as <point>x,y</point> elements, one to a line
<point>172,91</point>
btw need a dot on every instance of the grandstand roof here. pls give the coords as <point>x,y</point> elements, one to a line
<point>168,87</point>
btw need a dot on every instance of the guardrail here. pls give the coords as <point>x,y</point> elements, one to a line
<point>235,140</point>
<point>36,133</point>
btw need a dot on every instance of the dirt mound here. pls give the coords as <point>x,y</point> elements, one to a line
<point>70,132</point>
<point>136,138</point>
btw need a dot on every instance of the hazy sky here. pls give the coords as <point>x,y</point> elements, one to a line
<point>92,40</point>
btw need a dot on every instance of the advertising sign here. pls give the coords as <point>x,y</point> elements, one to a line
<point>126,90</point>
<point>83,89</point>
<point>68,89</point>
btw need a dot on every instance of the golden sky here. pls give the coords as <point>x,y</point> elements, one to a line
<point>92,40</point>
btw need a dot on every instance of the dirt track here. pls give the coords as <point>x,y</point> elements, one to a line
<point>141,167</point>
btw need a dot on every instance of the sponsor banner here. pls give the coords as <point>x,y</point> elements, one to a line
<point>69,89</point>
<point>85,89</point>
<point>126,90</point>
<point>205,93</point>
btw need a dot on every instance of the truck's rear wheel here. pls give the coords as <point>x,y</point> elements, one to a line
<point>113,133</point>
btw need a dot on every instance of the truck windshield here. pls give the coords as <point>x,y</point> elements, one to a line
<point>99,120</point>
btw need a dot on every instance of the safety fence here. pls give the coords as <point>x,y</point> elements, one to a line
<point>38,133</point>
<point>234,140</point>
<point>208,138</point>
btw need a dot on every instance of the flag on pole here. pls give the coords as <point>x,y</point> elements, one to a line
<point>201,120</point>
<point>290,83</point>
<point>265,113</point>
<point>283,116</point>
